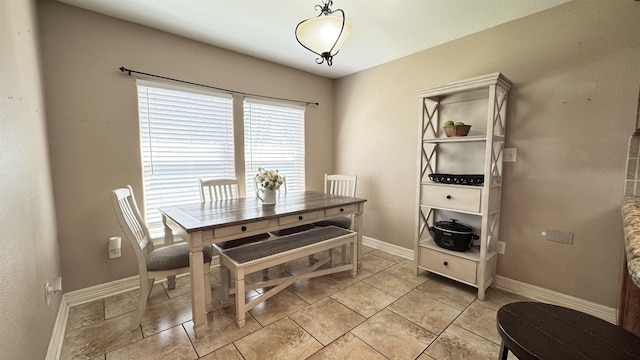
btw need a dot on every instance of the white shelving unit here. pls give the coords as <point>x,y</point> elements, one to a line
<point>482,103</point>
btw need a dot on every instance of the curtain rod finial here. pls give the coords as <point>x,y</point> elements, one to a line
<point>123,69</point>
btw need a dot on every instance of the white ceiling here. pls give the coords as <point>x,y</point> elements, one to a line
<point>384,30</point>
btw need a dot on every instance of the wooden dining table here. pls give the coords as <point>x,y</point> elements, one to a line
<point>212,222</point>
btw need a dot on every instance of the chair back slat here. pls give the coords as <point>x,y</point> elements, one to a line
<point>131,222</point>
<point>344,185</point>
<point>218,189</point>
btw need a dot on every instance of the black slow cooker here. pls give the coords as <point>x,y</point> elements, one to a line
<point>453,235</point>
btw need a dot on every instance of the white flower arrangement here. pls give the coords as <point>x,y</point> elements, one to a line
<point>269,179</point>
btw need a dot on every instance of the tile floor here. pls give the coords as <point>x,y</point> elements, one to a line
<point>384,313</point>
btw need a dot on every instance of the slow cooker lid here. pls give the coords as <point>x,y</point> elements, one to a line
<point>453,226</point>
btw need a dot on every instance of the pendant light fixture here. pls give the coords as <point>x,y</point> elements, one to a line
<point>324,34</point>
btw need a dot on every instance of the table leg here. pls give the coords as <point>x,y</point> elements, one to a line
<point>168,240</point>
<point>196,264</point>
<point>357,227</point>
<point>504,352</point>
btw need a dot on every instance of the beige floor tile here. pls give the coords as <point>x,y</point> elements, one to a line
<point>407,268</point>
<point>92,340</point>
<point>374,264</point>
<point>495,298</point>
<point>449,292</point>
<point>165,315</point>
<point>277,307</point>
<point>172,344</point>
<point>283,339</point>
<point>457,343</point>
<point>367,249</point>
<point>314,289</point>
<point>128,301</point>
<point>424,356</point>
<point>480,320</point>
<point>388,256</point>
<point>394,336</point>
<point>221,330</point>
<point>425,311</point>
<point>347,347</point>
<point>344,277</point>
<point>394,284</point>
<point>183,287</point>
<point>85,314</point>
<point>330,311</point>
<point>327,320</point>
<point>363,298</point>
<point>228,352</point>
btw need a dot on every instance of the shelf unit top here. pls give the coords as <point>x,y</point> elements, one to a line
<point>457,139</point>
<point>466,85</point>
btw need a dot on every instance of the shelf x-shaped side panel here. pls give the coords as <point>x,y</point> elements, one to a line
<point>499,107</point>
<point>428,161</point>
<point>430,118</point>
<point>424,221</point>
<point>496,153</point>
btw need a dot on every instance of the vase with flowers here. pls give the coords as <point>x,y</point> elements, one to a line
<point>268,182</point>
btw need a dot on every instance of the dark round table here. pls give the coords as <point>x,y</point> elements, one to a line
<point>533,330</point>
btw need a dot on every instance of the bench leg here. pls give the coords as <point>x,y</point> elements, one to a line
<point>240,308</point>
<point>504,352</point>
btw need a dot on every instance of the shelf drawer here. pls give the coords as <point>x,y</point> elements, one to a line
<point>452,197</point>
<point>292,219</point>
<point>239,229</point>
<point>449,265</point>
<point>349,209</point>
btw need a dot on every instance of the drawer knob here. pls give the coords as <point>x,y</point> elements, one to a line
<point>445,263</point>
<point>244,228</point>
<point>300,217</point>
<point>448,196</point>
<point>341,210</point>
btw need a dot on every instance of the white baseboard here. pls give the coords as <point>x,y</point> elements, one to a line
<point>552,297</point>
<point>386,247</point>
<point>101,291</point>
<point>59,328</point>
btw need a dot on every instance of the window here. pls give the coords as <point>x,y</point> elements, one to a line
<point>274,139</point>
<point>185,135</point>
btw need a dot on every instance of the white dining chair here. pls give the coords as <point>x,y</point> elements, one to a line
<point>153,263</point>
<point>344,185</point>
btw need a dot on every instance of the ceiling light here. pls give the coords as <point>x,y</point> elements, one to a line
<point>324,34</point>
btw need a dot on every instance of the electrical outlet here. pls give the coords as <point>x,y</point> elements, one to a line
<point>500,247</point>
<point>114,253</point>
<point>509,155</point>
<point>558,236</point>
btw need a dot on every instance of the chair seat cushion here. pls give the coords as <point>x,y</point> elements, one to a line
<point>247,240</point>
<point>173,257</point>
<point>343,222</point>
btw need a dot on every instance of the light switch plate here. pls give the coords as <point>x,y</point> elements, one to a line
<point>509,155</point>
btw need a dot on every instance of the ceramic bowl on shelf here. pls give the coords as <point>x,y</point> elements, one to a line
<point>456,130</point>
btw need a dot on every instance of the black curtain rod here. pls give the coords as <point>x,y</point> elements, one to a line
<point>124,69</point>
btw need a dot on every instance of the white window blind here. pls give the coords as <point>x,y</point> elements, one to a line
<point>185,135</point>
<point>274,139</point>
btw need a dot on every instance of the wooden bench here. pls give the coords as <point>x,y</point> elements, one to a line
<point>250,258</point>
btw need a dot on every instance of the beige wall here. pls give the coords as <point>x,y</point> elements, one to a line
<point>93,122</point>
<point>576,72</point>
<point>29,255</point>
